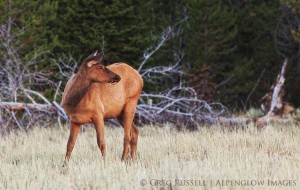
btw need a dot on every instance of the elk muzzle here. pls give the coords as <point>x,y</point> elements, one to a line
<point>115,80</point>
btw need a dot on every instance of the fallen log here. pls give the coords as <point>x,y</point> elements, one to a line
<point>18,106</point>
<point>234,121</point>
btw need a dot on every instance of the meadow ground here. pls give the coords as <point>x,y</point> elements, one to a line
<point>209,158</point>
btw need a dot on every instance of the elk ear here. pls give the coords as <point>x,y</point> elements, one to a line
<point>99,56</point>
<point>93,55</point>
<point>91,63</point>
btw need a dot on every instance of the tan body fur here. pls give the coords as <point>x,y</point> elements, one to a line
<point>106,99</point>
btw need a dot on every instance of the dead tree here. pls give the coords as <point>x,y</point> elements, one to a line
<point>19,79</point>
<point>273,104</point>
<point>179,104</point>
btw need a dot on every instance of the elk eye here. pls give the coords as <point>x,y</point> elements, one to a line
<point>100,67</point>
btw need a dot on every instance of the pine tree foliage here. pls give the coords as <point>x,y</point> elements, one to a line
<point>30,25</point>
<point>26,31</point>
<point>209,35</point>
<point>112,26</point>
<point>255,53</point>
<point>210,31</point>
<point>288,45</point>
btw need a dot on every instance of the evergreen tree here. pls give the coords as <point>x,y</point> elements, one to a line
<point>113,26</point>
<point>256,52</point>
<point>209,36</point>
<point>288,45</point>
<point>30,25</point>
<point>26,30</point>
<point>158,16</point>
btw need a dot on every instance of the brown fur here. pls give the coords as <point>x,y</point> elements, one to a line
<point>77,93</point>
<point>90,98</point>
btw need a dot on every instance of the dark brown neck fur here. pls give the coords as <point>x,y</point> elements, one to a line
<point>79,88</point>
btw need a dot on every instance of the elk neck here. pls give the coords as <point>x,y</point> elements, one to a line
<point>79,88</point>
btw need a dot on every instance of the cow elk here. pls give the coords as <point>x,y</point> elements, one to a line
<point>97,92</point>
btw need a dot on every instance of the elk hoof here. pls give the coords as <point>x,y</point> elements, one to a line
<point>65,168</point>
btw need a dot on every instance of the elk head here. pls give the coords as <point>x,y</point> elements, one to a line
<point>96,70</point>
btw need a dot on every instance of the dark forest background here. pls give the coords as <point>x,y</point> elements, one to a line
<point>232,50</point>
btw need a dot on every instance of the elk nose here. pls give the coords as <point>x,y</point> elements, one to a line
<point>117,78</point>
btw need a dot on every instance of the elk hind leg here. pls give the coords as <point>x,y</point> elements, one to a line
<point>126,120</point>
<point>133,141</point>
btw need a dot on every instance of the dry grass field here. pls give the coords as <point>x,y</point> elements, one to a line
<point>209,158</point>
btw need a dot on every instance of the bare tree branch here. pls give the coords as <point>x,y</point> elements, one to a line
<point>39,95</point>
<point>67,65</point>
<point>167,34</point>
<point>179,104</point>
<point>18,79</point>
<point>255,86</point>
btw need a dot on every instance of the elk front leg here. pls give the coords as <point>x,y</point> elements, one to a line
<point>99,126</point>
<point>74,129</point>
